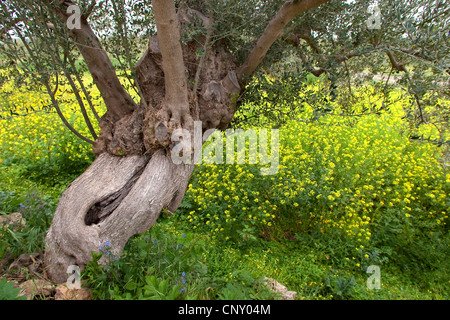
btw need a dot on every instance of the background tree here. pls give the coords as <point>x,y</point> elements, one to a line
<point>161,65</point>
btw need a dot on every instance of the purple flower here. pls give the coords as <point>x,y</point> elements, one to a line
<point>183,274</point>
<point>184,235</point>
<point>22,205</point>
<point>182,289</point>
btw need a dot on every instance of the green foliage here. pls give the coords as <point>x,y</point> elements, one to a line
<point>245,287</point>
<point>346,182</point>
<point>155,265</point>
<point>339,287</point>
<point>47,154</point>
<point>274,99</point>
<point>36,211</point>
<point>355,190</point>
<point>8,292</point>
<point>158,289</point>
<point>163,264</point>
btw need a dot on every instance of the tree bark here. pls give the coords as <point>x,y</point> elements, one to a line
<point>172,57</point>
<point>117,100</point>
<point>134,178</point>
<point>159,184</point>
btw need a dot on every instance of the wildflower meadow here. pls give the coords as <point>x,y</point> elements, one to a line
<point>349,194</point>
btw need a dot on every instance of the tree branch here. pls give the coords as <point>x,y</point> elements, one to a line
<point>395,64</point>
<point>89,10</point>
<point>420,54</point>
<point>209,25</point>
<point>273,31</point>
<point>402,68</point>
<point>338,58</point>
<point>306,35</point>
<point>83,88</point>
<point>63,118</point>
<point>168,34</point>
<point>118,101</point>
<point>81,104</point>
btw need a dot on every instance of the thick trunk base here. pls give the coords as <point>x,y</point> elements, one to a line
<point>114,199</point>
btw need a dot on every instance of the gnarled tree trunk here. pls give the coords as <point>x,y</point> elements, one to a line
<point>134,177</point>
<point>116,198</point>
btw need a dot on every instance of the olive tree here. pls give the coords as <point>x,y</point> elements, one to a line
<point>164,66</point>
